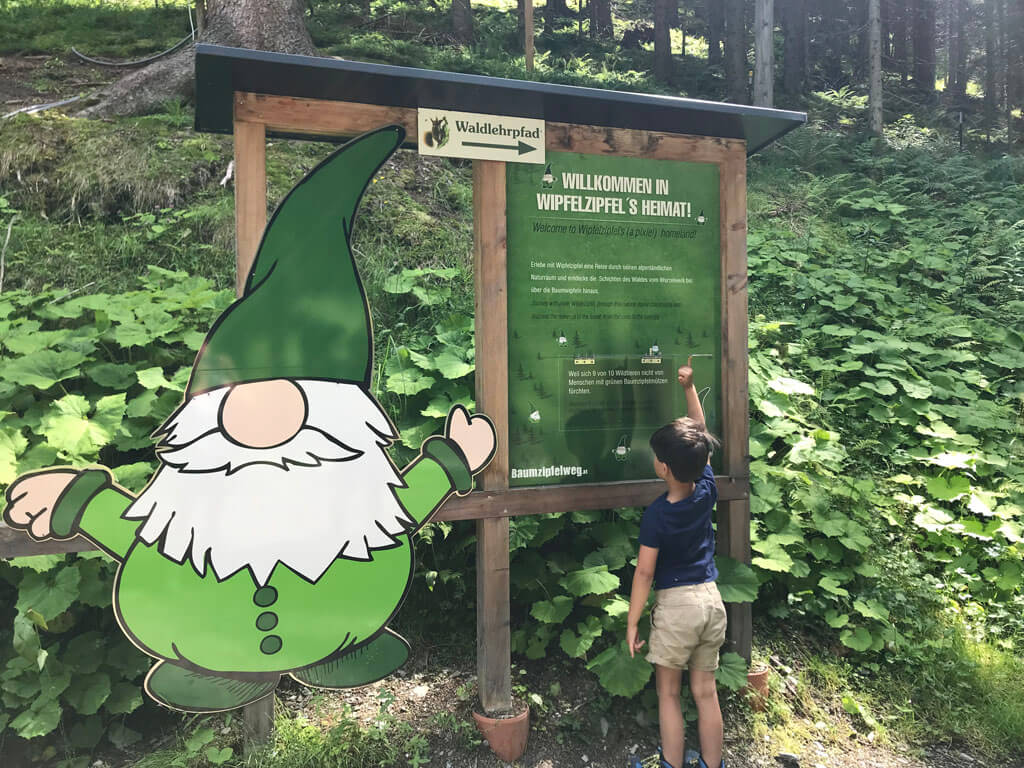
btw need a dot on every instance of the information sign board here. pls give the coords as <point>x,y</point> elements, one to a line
<point>614,281</point>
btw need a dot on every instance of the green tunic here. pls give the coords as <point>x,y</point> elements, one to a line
<point>171,611</point>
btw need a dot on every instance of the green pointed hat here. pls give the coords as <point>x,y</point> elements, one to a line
<point>303,314</point>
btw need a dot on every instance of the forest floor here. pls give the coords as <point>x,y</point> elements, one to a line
<point>432,697</point>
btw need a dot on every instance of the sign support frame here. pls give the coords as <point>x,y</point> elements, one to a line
<point>255,115</point>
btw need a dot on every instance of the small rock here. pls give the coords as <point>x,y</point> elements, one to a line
<point>788,759</point>
<point>966,757</point>
<point>633,749</point>
<point>604,728</point>
<point>585,759</point>
<point>420,691</point>
<point>821,725</point>
<point>98,764</point>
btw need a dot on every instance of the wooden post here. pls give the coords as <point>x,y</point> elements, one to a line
<point>250,194</point>
<point>528,34</point>
<point>734,515</point>
<point>493,637</point>
<point>250,220</point>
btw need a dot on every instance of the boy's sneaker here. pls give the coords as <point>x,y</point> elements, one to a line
<point>691,759</point>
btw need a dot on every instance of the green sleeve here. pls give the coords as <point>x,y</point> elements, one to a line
<point>432,477</point>
<point>93,507</point>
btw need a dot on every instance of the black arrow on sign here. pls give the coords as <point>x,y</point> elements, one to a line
<point>523,146</point>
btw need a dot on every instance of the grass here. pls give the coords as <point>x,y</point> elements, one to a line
<point>964,691</point>
<point>116,29</point>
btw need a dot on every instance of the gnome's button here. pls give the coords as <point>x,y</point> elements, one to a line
<point>270,644</point>
<point>266,621</point>
<point>265,596</point>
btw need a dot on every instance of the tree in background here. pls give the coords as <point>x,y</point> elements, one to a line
<point>875,66</point>
<point>924,45</point>
<point>764,53</point>
<point>663,40</point>
<point>715,15</point>
<point>269,25</point>
<point>462,21</point>
<point>601,18</point>
<point>793,19</point>
<point>736,51</point>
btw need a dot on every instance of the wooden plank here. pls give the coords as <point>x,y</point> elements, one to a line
<point>493,632</point>
<point>258,721</point>
<point>320,117</point>
<point>250,195</point>
<point>16,543</point>
<point>593,140</point>
<point>250,221</point>
<point>543,500</point>
<point>734,515</point>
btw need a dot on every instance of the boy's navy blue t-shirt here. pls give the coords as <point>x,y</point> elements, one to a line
<point>683,535</point>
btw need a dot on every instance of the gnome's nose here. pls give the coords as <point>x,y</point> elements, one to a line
<point>262,414</point>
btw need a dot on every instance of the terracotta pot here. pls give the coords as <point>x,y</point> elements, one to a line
<point>756,689</point>
<point>505,735</point>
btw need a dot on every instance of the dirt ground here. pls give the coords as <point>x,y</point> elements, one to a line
<point>33,80</point>
<point>576,727</point>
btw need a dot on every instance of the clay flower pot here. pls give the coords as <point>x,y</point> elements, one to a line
<point>756,689</point>
<point>505,735</point>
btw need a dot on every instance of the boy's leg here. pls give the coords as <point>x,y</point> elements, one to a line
<point>709,715</point>
<point>670,714</point>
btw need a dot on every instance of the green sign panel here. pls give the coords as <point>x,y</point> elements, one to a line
<point>613,283</point>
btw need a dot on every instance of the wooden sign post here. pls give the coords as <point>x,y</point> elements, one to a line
<point>255,94</point>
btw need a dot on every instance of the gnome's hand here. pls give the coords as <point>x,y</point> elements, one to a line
<point>31,499</point>
<point>473,434</point>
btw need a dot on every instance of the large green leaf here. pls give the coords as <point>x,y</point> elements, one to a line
<point>73,431</point>
<point>619,674</point>
<point>577,643</point>
<point>590,581</point>
<point>88,692</point>
<point>553,611</point>
<point>732,671</point>
<point>43,369</point>
<point>451,365</point>
<point>858,639</point>
<point>40,719</point>
<point>948,487</point>
<point>737,582</point>
<point>408,382</point>
<point>49,593</point>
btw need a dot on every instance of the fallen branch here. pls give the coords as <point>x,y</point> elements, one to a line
<point>40,108</point>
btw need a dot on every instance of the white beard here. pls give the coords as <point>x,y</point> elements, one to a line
<point>328,492</point>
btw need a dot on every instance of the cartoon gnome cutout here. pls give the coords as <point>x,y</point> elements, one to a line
<point>274,537</point>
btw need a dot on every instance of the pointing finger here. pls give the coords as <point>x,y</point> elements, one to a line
<point>689,362</point>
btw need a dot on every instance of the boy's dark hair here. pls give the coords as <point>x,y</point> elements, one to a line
<point>684,445</point>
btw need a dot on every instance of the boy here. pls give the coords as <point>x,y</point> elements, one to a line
<point>677,548</point>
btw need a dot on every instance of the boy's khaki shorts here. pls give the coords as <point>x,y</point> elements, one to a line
<point>687,627</point>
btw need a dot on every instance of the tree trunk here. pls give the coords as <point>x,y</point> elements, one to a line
<point>736,51</point>
<point>462,21</point>
<point>793,16</point>
<point>601,18</point>
<point>764,53</point>
<point>673,14</point>
<point>875,66</point>
<point>553,11</point>
<point>715,18</point>
<point>924,45</point>
<point>267,25</point>
<point>899,39</point>
<point>991,64</point>
<point>963,45</point>
<point>662,40</point>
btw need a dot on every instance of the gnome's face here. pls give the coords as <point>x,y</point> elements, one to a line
<point>273,471</point>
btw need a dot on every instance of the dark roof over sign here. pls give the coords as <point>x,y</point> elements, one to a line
<point>221,70</point>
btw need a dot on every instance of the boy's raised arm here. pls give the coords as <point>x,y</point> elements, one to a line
<point>693,407</point>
